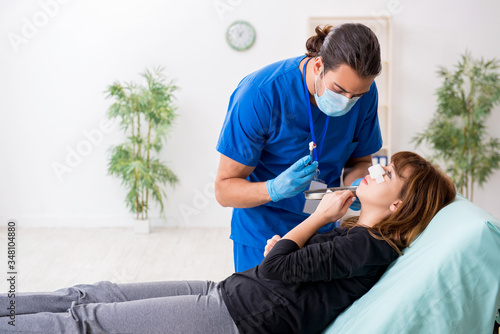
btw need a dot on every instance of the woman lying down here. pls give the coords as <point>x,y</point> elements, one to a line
<point>305,281</point>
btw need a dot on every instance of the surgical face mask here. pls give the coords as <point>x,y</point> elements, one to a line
<point>376,173</point>
<point>331,103</point>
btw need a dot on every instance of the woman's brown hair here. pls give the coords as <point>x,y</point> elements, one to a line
<point>353,44</point>
<point>426,190</point>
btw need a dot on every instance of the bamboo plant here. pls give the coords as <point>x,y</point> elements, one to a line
<point>458,130</point>
<point>146,113</point>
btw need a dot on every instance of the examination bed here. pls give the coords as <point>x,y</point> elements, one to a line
<point>447,281</point>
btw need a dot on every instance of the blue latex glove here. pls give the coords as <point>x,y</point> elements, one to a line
<point>292,181</point>
<point>356,205</point>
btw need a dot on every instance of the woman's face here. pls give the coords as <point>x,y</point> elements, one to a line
<point>384,195</point>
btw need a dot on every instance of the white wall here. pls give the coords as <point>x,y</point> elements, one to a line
<point>428,34</point>
<point>52,88</point>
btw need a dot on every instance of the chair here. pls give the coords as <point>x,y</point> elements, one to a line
<point>447,281</point>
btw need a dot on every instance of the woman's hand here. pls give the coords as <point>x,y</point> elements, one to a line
<point>334,206</point>
<point>270,244</point>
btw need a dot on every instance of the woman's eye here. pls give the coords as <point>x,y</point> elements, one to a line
<point>389,173</point>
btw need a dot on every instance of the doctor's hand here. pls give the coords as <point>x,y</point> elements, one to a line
<point>356,205</point>
<point>334,206</point>
<point>270,244</point>
<point>292,181</point>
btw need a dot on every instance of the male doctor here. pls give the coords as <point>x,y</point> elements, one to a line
<point>327,96</point>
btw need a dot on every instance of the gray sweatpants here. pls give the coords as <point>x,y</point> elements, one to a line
<point>157,307</point>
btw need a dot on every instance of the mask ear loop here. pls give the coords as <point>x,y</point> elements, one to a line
<point>323,72</point>
<point>324,84</point>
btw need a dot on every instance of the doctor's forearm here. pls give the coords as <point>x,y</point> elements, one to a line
<point>241,193</point>
<point>355,172</point>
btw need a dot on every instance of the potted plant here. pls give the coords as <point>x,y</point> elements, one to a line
<point>457,131</point>
<point>146,113</point>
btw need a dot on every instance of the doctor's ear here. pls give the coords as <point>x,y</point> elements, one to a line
<point>318,65</point>
<point>395,205</point>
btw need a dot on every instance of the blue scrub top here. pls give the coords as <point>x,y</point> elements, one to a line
<point>267,126</point>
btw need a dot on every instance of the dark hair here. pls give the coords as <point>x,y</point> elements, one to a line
<point>425,191</point>
<point>353,44</point>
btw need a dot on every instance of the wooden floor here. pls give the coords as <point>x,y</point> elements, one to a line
<point>52,258</point>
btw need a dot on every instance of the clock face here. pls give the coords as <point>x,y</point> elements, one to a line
<point>240,35</point>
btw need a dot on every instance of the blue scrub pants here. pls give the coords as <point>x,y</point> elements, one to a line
<point>246,257</point>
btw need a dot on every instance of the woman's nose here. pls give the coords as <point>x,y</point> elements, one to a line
<point>377,172</point>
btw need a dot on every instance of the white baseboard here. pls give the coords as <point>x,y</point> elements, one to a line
<point>80,221</point>
<point>110,221</point>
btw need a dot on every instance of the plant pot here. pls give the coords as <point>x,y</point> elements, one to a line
<point>141,226</point>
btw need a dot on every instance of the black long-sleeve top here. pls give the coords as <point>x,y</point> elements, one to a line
<point>303,290</point>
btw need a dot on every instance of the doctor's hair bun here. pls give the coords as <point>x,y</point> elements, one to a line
<point>353,44</point>
<point>314,43</point>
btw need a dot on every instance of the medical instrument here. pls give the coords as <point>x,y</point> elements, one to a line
<point>312,146</point>
<point>318,194</point>
<point>376,173</point>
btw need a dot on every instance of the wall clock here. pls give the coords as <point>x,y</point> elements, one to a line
<point>240,35</point>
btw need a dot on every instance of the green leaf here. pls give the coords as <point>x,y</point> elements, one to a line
<point>457,131</point>
<point>147,114</point>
